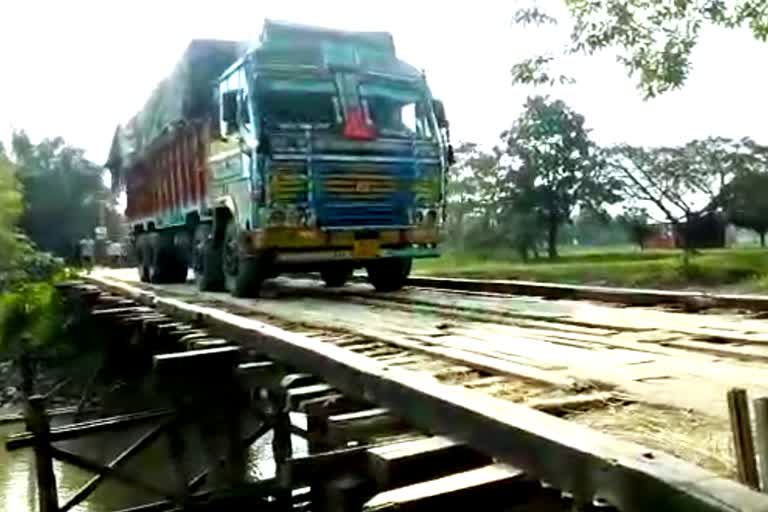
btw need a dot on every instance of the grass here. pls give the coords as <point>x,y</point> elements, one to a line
<point>743,269</point>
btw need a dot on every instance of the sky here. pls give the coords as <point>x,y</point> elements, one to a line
<point>78,68</point>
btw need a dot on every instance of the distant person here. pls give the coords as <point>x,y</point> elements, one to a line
<point>87,248</point>
<point>115,253</point>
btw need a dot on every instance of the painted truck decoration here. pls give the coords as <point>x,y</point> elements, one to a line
<point>318,150</point>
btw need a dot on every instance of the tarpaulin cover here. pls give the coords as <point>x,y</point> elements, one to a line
<point>185,95</point>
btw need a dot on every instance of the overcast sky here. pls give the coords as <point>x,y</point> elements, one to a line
<point>76,68</point>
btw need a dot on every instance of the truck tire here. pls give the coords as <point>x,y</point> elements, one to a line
<point>179,264</point>
<point>336,276</point>
<point>142,264</point>
<point>155,255</point>
<point>161,257</point>
<point>243,274</point>
<point>206,261</point>
<point>388,275</point>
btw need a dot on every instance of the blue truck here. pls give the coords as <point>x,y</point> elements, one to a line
<point>318,151</point>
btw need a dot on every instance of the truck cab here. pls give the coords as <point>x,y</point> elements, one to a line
<point>331,155</point>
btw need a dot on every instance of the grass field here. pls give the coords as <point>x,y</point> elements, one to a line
<point>742,269</point>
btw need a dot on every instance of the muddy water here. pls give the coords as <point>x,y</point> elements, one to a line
<point>18,489</point>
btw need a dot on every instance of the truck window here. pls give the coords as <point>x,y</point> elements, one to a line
<point>397,111</point>
<point>293,103</point>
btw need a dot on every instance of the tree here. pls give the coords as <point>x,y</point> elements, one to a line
<point>654,39</point>
<point>10,210</point>
<point>637,223</point>
<point>554,167</point>
<point>474,197</point>
<point>744,202</point>
<point>64,192</point>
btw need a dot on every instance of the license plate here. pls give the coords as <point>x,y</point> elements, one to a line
<point>365,249</point>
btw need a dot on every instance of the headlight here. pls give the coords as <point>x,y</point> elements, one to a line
<point>431,219</point>
<point>418,217</point>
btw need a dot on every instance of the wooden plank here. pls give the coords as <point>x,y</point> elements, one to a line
<point>296,396</point>
<point>363,425</point>
<point>569,456</point>
<point>566,404</point>
<point>400,464</point>
<point>475,360</point>
<point>761,439</point>
<point>741,428</point>
<point>454,490</point>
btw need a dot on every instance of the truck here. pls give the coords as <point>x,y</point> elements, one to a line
<point>312,150</point>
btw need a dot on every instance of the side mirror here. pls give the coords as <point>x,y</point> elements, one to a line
<point>450,156</point>
<point>439,109</point>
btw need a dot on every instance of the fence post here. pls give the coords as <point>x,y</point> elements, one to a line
<point>282,447</point>
<point>37,423</point>
<point>761,438</point>
<point>738,409</point>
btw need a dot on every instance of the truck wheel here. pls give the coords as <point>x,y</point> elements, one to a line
<point>155,256</point>
<point>179,261</point>
<point>336,276</point>
<point>242,274</point>
<point>142,264</point>
<point>388,275</point>
<point>206,261</point>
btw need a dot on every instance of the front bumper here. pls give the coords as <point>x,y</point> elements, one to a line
<point>281,238</point>
<point>297,257</point>
<point>297,245</point>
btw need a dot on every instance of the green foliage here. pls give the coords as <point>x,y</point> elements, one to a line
<point>63,193</point>
<point>744,201</point>
<point>683,183</point>
<point>10,210</point>
<point>30,318</point>
<point>653,39</point>
<point>637,224</point>
<point>554,167</point>
<point>746,268</point>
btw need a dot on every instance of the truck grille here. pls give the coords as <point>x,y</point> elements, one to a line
<point>362,194</point>
<point>288,184</point>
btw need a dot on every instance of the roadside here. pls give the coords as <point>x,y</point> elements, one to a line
<point>724,270</point>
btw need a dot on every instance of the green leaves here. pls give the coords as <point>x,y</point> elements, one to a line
<point>555,166</point>
<point>653,38</point>
<point>55,221</point>
<point>744,202</point>
<point>10,210</point>
<point>30,317</point>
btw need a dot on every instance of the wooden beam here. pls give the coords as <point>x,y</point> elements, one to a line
<point>571,457</point>
<point>453,492</point>
<point>297,396</point>
<point>25,439</point>
<point>408,462</point>
<point>363,426</point>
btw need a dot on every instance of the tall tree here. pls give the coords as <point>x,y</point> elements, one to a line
<point>744,202</point>
<point>64,192</point>
<point>474,189</point>
<point>683,183</point>
<point>554,166</point>
<point>10,210</point>
<point>653,39</point>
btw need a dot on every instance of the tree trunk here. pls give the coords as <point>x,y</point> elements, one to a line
<point>552,239</point>
<point>762,239</point>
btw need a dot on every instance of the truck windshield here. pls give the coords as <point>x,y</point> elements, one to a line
<point>296,103</point>
<point>397,110</point>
